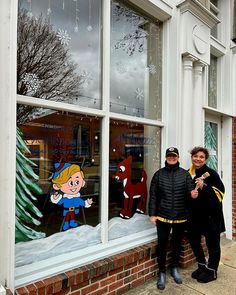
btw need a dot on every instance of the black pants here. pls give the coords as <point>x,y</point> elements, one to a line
<point>212,237</point>
<point>163,233</point>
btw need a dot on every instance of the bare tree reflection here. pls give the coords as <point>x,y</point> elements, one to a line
<point>44,66</point>
<point>135,39</point>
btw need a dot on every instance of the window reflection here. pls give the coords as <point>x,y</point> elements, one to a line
<point>136,70</point>
<point>134,154</point>
<point>58,55</point>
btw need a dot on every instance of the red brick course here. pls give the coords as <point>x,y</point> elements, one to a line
<point>114,275</point>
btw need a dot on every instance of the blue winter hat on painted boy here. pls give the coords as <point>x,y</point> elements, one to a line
<point>59,167</point>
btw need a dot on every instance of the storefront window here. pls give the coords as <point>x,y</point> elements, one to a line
<point>62,191</point>
<point>136,71</point>
<point>45,140</point>
<point>59,55</point>
<point>134,157</point>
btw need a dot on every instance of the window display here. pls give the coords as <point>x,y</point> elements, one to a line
<point>134,156</point>
<point>68,188</point>
<point>58,178</point>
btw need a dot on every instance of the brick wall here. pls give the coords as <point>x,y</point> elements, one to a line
<point>114,275</point>
<point>234,179</point>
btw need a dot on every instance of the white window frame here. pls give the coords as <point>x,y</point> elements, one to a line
<point>26,274</point>
<point>8,37</point>
<point>224,123</point>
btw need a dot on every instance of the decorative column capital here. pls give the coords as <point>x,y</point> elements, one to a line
<point>198,67</point>
<point>188,60</point>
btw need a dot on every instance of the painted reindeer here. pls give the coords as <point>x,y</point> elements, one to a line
<point>131,191</point>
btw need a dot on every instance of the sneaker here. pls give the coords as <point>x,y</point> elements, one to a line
<point>207,275</point>
<point>176,275</point>
<point>161,282</point>
<point>198,271</point>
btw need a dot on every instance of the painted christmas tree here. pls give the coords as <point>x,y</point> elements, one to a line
<point>211,145</point>
<point>27,214</point>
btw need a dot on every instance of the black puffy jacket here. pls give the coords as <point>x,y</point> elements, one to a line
<point>170,192</point>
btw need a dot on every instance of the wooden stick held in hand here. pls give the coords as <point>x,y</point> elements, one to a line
<point>204,176</point>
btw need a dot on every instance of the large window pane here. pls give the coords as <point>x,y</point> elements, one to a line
<point>134,157</point>
<point>136,63</point>
<point>59,56</point>
<point>45,140</point>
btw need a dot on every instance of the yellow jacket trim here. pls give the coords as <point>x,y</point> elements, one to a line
<point>169,220</point>
<point>218,193</point>
<point>191,171</point>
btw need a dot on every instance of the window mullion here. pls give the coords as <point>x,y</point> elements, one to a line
<point>105,121</point>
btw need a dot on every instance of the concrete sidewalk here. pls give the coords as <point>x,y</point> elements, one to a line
<point>225,283</point>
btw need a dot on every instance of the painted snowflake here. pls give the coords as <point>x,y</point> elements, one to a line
<point>152,69</point>
<point>121,68</point>
<point>63,37</point>
<point>86,77</point>
<point>32,82</point>
<point>139,94</point>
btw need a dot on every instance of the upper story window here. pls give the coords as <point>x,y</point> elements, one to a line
<point>234,22</point>
<point>215,10</point>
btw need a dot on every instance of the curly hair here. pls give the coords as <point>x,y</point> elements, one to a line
<point>197,149</point>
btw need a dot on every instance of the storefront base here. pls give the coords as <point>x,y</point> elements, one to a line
<point>114,275</point>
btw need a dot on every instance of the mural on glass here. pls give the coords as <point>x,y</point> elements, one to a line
<point>27,214</point>
<point>136,62</point>
<point>211,143</point>
<point>58,50</point>
<point>134,157</point>
<point>58,183</point>
<point>212,83</point>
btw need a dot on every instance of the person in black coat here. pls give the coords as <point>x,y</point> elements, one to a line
<point>170,191</point>
<point>206,216</point>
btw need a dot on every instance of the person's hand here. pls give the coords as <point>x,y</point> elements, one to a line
<point>90,201</point>
<point>153,219</point>
<point>194,193</point>
<point>199,182</point>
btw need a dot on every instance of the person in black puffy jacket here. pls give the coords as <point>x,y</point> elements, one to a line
<point>206,216</point>
<point>170,191</point>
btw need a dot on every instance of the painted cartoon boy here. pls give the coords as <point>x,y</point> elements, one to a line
<point>69,179</point>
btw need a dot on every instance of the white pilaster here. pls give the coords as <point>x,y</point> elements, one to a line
<point>187,109</point>
<point>198,113</point>
<point>8,37</point>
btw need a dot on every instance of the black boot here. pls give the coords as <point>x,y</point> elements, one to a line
<point>161,282</point>
<point>208,275</point>
<point>176,275</point>
<point>198,271</point>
